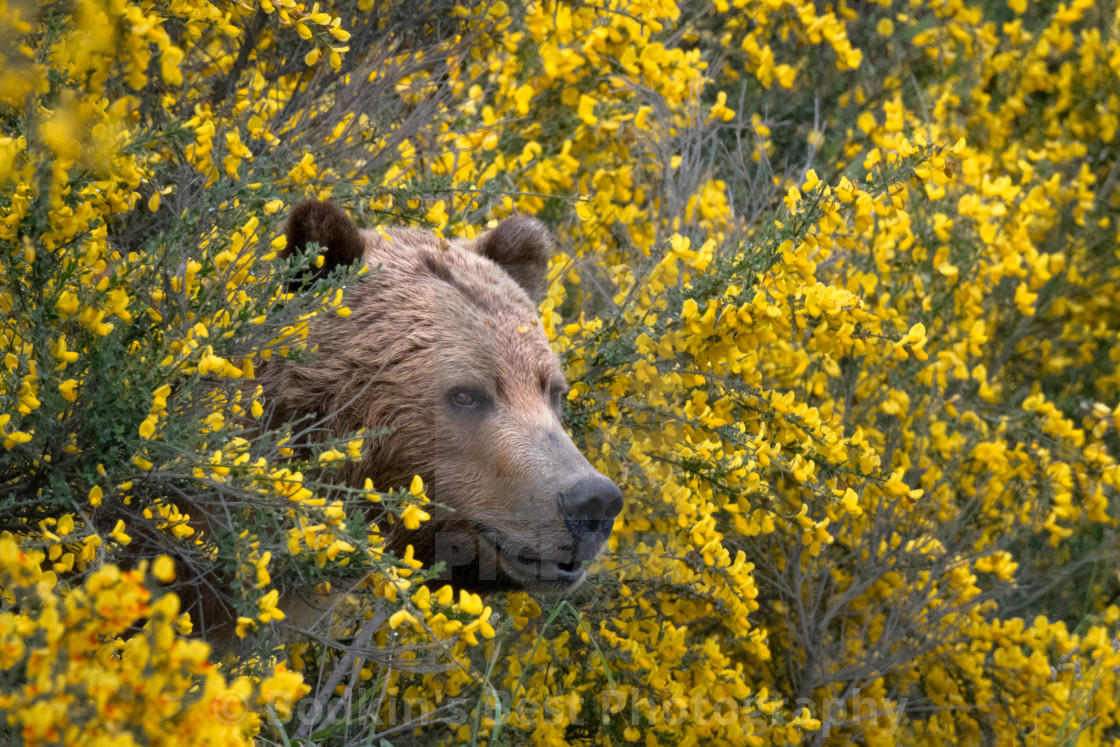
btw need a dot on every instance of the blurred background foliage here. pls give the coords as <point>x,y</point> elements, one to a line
<point>837,290</point>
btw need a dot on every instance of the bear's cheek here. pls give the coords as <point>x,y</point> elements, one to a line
<point>502,475</point>
<point>496,486</point>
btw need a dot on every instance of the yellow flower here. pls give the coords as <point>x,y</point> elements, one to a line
<point>66,388</point>
<point>412,516</point>
<point>164,569</point>
<point>587,110</point>
<point>268,609</point>
<point>401,617</point>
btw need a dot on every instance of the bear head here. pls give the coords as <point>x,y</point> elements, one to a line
<point>444,350</point>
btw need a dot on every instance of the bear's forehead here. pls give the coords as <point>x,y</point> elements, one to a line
<point>469,305</point>
<point>442,273</point>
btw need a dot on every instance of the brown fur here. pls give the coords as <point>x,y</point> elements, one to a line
<point>434,319</point>
<point>323,223</point>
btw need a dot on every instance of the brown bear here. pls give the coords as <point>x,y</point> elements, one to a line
<point>444,347</point>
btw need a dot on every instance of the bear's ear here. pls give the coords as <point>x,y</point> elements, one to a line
<point>521,246</point>
<point>328,226</point>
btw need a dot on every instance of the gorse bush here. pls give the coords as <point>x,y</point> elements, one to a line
<point>836,290</point>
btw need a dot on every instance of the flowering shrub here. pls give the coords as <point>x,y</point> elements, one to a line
<point>70,678</point>
<point>837,293</point>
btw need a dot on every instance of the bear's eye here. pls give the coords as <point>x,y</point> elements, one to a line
<point>463,399</point>
<point>556,397</point>
<point>467,398</point>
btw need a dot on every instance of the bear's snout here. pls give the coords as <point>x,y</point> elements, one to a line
<point>590,505</point>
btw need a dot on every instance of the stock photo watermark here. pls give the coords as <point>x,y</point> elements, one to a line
<point>572,710</point>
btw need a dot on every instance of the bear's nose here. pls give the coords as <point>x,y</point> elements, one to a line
<point>591,505</point>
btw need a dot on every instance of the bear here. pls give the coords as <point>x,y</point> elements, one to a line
<point>444,350</point>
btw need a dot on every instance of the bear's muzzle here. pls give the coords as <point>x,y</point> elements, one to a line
<point>589,508</point>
